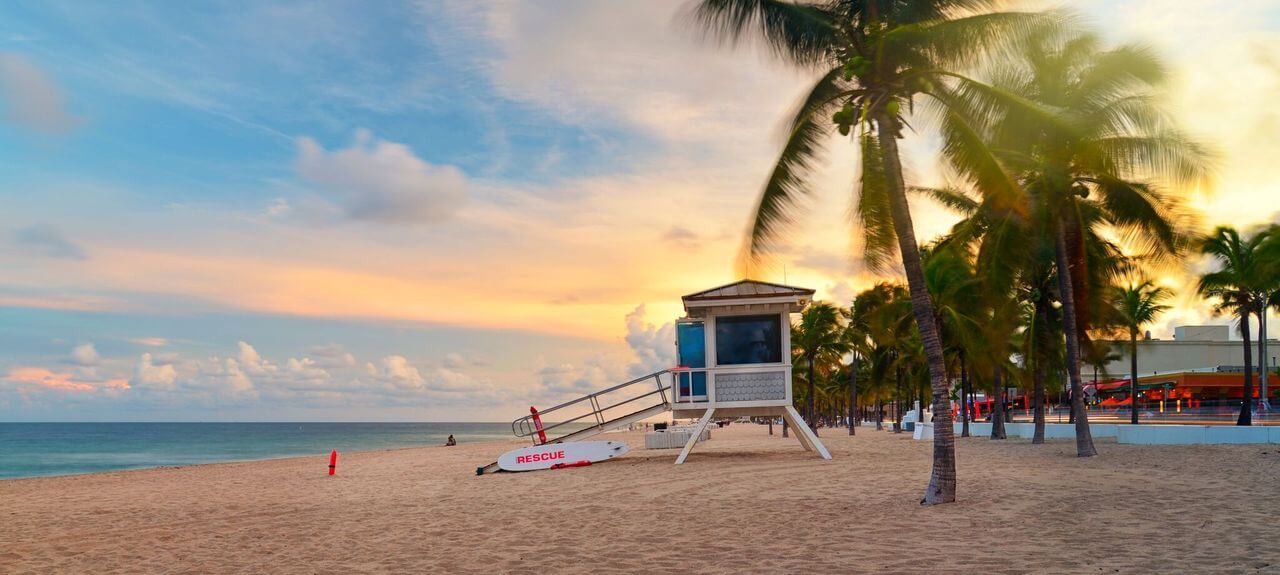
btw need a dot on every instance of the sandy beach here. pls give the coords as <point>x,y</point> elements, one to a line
<point>745,502</point>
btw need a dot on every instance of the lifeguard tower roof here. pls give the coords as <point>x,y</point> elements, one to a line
<point>749,292</point>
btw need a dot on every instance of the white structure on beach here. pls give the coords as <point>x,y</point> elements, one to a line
<point>734,349</point>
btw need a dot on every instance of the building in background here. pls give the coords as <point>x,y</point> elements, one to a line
<point>1193,347</point>
<point>1200,369</point>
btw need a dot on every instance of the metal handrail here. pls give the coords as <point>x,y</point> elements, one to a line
<point>524,426</point>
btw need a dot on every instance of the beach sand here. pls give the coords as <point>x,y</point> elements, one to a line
<point>745,502</point>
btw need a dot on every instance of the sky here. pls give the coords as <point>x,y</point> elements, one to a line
<point>438,210</point>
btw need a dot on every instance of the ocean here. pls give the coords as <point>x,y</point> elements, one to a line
<point>42,449</point>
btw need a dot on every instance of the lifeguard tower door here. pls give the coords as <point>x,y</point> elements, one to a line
<point>691,346</point>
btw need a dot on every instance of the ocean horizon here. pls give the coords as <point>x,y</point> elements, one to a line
<point>43,449</point>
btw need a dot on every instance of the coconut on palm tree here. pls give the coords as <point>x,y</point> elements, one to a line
<point>1137,304</point>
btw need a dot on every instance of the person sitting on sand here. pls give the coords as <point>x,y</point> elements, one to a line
<point>450,442</point>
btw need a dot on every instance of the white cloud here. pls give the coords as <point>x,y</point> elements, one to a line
<point>397,370</point>
<point>654,346</point>
<point>85,355</point>
<point>30,97</point>
<point>381,181</point>
<point>654,73</point>
<point>454,360</point>
<point>252,362</point>
<point>332,355</point>
<point>306,369</point>
<point>150,375</point>
<point>48,241</point>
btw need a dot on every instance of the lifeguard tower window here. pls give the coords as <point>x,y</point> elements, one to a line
<point>746,339</point>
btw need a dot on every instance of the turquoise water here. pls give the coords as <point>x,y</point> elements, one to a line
<point>39,449</point>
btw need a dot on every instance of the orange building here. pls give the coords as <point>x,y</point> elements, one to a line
<point>1183,389</point>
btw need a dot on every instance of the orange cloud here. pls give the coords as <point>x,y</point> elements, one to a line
<point>60,380</point>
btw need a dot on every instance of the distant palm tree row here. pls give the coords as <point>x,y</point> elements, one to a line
<point>1064,170</point>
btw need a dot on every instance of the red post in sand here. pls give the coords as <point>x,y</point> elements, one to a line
<point>537,422</point>
<point>333,461</point>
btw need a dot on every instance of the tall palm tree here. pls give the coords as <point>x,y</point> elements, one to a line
<point>818,336</point>
<point>1270,252</point>
<point>874,57</point>
<point>1090,138</point>
<point>855,334</point>
<point>1235,287</point>
<point>1136,305</point>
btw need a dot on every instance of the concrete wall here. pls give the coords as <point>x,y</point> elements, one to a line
<point>1051,430</point>
<point>1145,434</point>
<point>1197,434</point>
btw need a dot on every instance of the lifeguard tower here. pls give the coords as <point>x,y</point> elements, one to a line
<point>734,353</point>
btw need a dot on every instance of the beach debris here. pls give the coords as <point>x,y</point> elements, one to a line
<point>333,461</point>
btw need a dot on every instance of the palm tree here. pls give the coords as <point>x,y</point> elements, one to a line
<point>1088,139</point>
<point>855,335</point>
<point>1270,252</point>
<point>1136,305</point>
<point>875,58</point>
<point>818,337</point>
<point>1236,288</point>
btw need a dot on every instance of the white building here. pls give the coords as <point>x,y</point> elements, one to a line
<point>1193,347</point>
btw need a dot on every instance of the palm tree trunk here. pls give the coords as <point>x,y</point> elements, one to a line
<point>879,414</point>
<point>965,406</point>
<point>1264,370</point>
<point>1037,379</point>
<point>1246,400</point>
<point>853,393</point>
<point>1084,439</point>
<point>942,480</point>
<point>997,407</point>
<point>897,401</point>
<point>1041,310</point>
<point>1133,376</point>
<point>809,413</point>
<point>812,416</point>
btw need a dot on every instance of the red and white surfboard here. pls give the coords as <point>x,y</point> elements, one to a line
<point>552,454</point>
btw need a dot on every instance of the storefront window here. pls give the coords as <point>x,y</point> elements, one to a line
<point>748,339</point>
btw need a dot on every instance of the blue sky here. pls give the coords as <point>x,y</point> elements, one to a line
<point>432,210</point>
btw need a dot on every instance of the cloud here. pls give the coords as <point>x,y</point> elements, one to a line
<point>85,355</point>
<point>653,346</point>
<point>397,369</point>
<point>682,237</point>
<point>381,181</point>
<point>61,381</point>
<point>305,369</point>
<point>148,374</point>
<point>48,241</point>
<point>252,362</point>
<point>30,98</point>
<point>331,355</point>
<point>150,341</point>
<point>454,361</point>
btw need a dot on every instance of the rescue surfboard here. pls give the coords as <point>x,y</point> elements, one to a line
<point>549,455</point>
